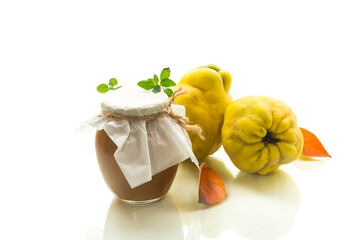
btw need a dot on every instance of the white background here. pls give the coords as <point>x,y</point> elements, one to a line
<point>53,54</point>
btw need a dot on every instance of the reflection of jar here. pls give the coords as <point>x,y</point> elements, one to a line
<point>124,221</point>
<point>138,146</point>
<point>116,181</point>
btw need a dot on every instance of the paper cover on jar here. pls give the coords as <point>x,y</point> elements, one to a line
<point>145,148</point>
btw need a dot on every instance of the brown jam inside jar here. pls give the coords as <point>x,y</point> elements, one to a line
<point>116,181</point>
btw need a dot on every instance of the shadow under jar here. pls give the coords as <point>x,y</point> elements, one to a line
<point>146,193</point>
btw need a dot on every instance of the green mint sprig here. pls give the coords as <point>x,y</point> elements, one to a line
<point>153,83</point>
<point>103,88</point>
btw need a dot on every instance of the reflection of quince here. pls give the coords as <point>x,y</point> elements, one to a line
<point>267,207</point>
<point>185,189</point>
<point>260,134</point>
<point>205,103</point>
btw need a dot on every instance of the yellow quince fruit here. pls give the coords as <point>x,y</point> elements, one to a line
<point>261,133</point>
<point>205,103</point>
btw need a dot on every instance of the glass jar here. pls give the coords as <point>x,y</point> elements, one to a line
<point>138,146</point>
<point>146,193</point>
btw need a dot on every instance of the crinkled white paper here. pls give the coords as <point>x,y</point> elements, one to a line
<point>129,101</point>
<point>146,148</point>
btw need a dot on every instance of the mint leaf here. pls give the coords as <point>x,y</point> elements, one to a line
<point>151,80</point>
<point>168,92</point>
<point>165,73</point>
<point>156,79</point>
<point>147,85</point>
<point>113,82</point>
<point>156,89</point>
<point>102,88</point>
<point>167,82</point>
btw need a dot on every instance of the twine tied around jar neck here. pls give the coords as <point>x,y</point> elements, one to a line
<point>166,112</point>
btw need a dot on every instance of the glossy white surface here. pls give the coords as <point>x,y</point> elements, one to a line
<point>54,54</point>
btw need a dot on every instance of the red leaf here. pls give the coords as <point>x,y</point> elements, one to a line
<point>211,186</point>
<point>312,145</point>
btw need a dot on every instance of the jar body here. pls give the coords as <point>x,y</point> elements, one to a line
<point>148,192</point>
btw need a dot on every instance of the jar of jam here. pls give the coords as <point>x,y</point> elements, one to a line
<point>138,146</point>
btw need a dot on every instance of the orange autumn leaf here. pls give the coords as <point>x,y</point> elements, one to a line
<point>312,145</point>
<point>211,186</point>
